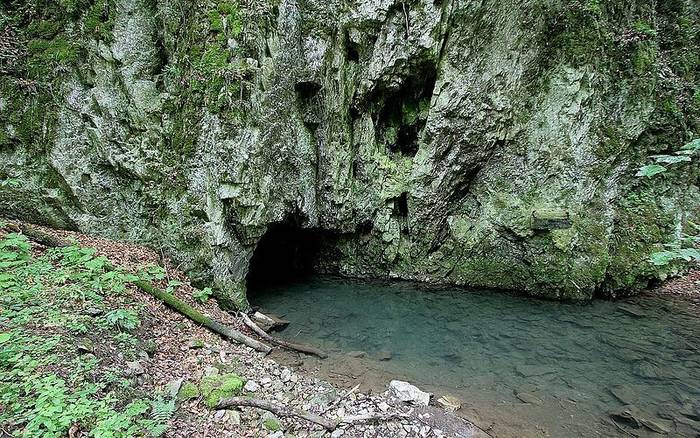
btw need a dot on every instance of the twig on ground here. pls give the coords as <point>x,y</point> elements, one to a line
<point>284,411</point>
<point>335,402</point>
<point>279,410</point>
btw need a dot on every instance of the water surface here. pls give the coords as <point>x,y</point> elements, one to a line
<point>529,367</point>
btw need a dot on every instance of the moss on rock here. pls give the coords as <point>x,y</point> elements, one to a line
<point>215,388</point>
<point>188,391</point>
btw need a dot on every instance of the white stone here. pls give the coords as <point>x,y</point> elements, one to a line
<point>406,392</point>
<point>251,386</point>
<point>286,375</point>
<point>134,368</point>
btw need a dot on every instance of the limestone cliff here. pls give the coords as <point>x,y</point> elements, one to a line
<point>490,143</point>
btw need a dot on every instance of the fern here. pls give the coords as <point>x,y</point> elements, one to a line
<point>161,412</point>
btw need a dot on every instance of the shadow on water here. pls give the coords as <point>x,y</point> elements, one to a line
<point>534,368</point>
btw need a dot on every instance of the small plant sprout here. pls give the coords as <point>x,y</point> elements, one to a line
<point>203,295</point>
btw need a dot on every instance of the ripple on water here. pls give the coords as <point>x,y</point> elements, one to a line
<point>531,367</point>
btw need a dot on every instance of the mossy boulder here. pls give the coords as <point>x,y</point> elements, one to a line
<point>270,422</point>
<point>188,391</point>
<point>216,388</point>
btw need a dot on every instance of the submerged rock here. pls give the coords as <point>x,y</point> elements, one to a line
<point>528,397</point>
<point>534,370</point>
<point>384,355</point>
<point>406,392</point>
<point>450,403</point>
<point>636,417</point>
<point>357,354</point>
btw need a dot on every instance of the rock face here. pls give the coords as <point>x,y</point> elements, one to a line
<point>490,144</point>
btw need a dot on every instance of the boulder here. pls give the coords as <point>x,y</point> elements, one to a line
<point>408,393</point>
<point>450,403</point>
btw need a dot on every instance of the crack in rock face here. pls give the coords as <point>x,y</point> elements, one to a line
<point>486,144</point>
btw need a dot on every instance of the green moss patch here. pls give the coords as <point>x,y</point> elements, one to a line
<point>188,391</point>
<point>216,388</point>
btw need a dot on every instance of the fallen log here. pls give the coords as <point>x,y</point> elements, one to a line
<point>198,317</point>
<point>285,411</point>
<point>36,235</point>
<point>230,333</point>
<point>284,344</point>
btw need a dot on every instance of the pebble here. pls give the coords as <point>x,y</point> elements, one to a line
<point>357,354</point>
<point>337,433</point>
<point>234,417</point>
<point>265,381</point>
<point>211,371</point>
<point>134,368</point>
<point>251,386</point>
<point>172,387</point>
<point>195,344</point>
<point>286,375</point>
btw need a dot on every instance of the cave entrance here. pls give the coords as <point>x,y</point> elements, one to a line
<point>286,253</point>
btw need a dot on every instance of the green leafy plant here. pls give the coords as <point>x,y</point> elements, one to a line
<point>162,411</point>
<point>152,272</point>
<point>122,319</point>
<point>43,317</point>
<point>685,247</point>
<point>203,295</point>
<point>172,285</point>
<point>13,183</point>
<point>684,155</point>
<point>651,170</point>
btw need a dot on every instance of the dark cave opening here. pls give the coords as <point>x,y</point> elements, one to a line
<point>403,113</point>
<point>401,205</point>
<point>400,212</point>
<point>307,89</point>
<point>352,53</point>
<point>286,253</point>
